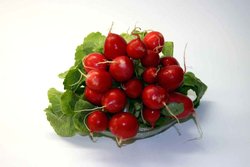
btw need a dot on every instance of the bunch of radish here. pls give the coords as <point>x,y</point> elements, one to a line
<point>112,81</point>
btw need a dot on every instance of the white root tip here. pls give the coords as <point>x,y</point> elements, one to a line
<point>177,130</point>
<point>197,124</point>
<point>119,141</point>
<point>170,112</point>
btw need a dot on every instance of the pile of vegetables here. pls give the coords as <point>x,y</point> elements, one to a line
<point>126,87</point>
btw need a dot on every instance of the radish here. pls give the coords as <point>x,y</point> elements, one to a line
<point>93,96</point>
<point>121,68</point>
<point>133,88</point>
<point>97,121</point>
<point>154,41</point>
<point>149,75</point>
<point>154,97</point>
<point>151,59</point>
<point>114,46</point>
<point>114,100</point>
<point>168,61</point>
<point>136,49</point>
<point>186,101</point>
<point>124,126</point>
<point>99,80</point>
<point>170,77</point>
<point>151,115</point>
<point>92,61</point>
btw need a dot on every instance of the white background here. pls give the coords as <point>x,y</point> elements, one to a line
<point>38,40</point>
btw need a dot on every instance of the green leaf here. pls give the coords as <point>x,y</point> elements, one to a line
<point>68,101</point>
<point>195,84</point>
<point>138,31</point>
<point>94,42</point>
<point>54,97</point>
<point>168,48</point>
<point>82,104</point>
<point>162,121</point>
<point>62,124</point>
<point>139,69</point>
<point>128,37</point>
<point>175,108</point>
<point>78,121</point>
<point>63,74</point>
<point>74,79</point>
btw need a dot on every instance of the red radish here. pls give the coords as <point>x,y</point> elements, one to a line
<point>168,61</point>
<point>114,46</point>
<point>121,69</point>
<point>154,41</point>
<point>151,59</point>
<point>97,121</point>
<point>151,116</point>
<point>154,97</point>
<point>99,80</point>
<point>124,125</point>
<point>136,49</point>
<point>186,101</point>
<point>170,77</point>
<point>93,96</point>
<point>133,88</point>
<point>114,100</point>
<point>92,61</point>
<point>149,75</point>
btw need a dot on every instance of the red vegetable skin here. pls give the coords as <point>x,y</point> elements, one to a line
<point>151,115</point>
<point>93,96</point>
<point>121,69</point>
<point>90,62</point>
<point>154,97</point>
<point>168,61</point>
<point>99,80</point>
<point>170,77</point>
<point>133,88</point>
<point>186,101</point>
<point>154,41</point>
<point>136,49</point>
<point>151,59</point>
<point>150,75</point>
<point>114,46</point>
<point>114,100</point>
<point>97,121</point>
<point>124,125</point>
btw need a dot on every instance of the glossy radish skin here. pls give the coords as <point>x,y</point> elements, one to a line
<point>151,59</point>
<point>114,46</point>
<point>186,101</point>
<point>151,115</point>
<point>168,61</point>
<point>154,41</point>
<point>133,88</point>
<point>97,121</point>
<point>121,69</point>
<point>136,49</point>
<point>154,97</point>
<point>170,77</point>
<point>90,62</point>
<point>93,96</point>
<point>99,80</point>
<point>124,125</point>
<point>150,75</point>
<point>114,100</point>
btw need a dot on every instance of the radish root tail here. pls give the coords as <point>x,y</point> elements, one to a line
<point>170,112</point>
